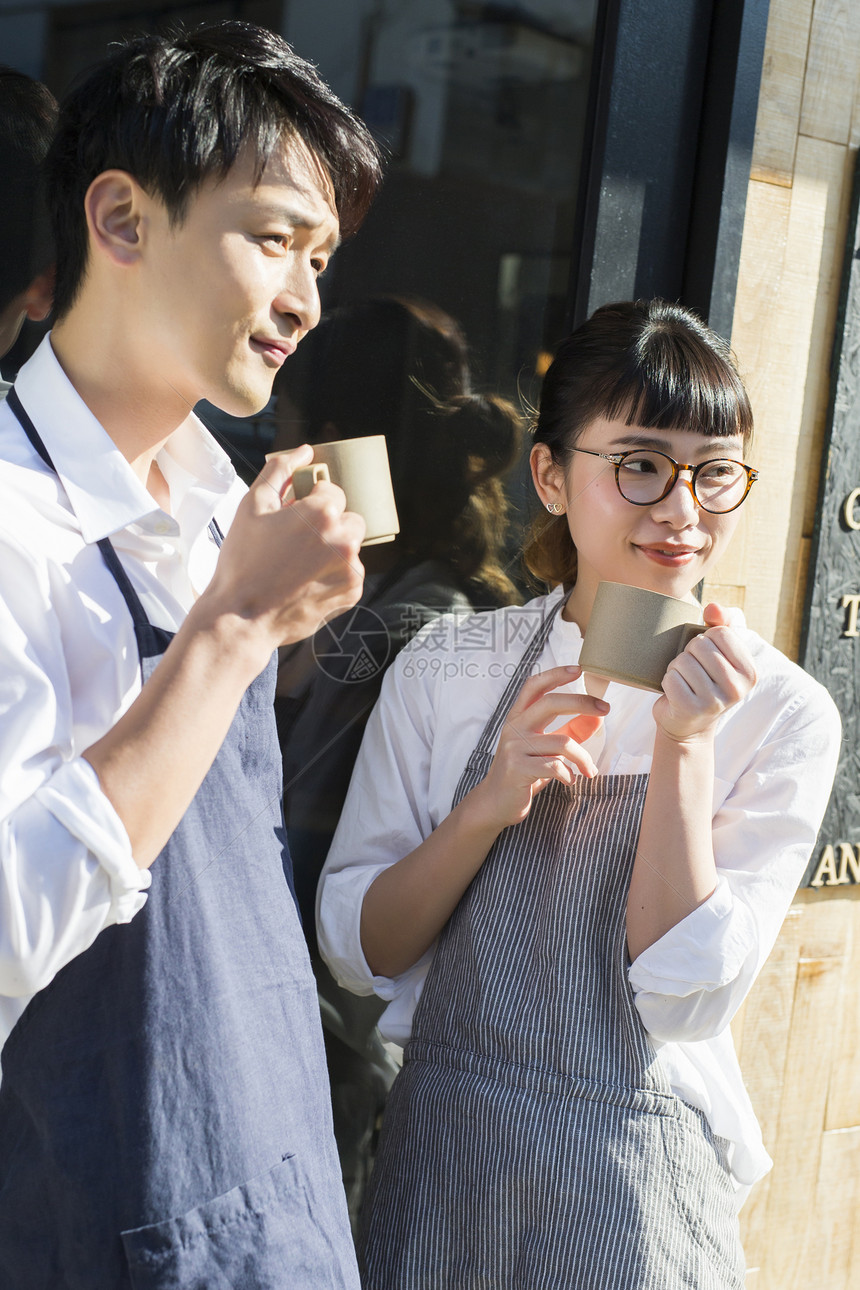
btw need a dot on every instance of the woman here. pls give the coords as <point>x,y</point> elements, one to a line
<point>577,893</point>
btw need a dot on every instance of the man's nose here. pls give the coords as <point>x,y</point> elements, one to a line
<point>300,298</point>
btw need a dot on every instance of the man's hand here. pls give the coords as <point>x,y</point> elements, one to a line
<point>282,569</point>
<point>285,567</point>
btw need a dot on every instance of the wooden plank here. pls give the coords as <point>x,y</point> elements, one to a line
<point>792,1224</point>
<point>843,1100</point>
<point>724,593</point>
<point>789,612</point>
<point>835,167</point>
<point>781,95</point>
<point>783,327</point>
<point>763,1053</point>
<point>854,137</point>
<point>814,256</point>
<point>831,70</point>
<point>754,340</point>
<point>836,1261</point>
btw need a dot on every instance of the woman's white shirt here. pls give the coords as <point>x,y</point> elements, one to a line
<point>775,758</point>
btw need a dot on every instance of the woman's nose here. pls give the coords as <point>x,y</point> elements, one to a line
<point>679,506</point>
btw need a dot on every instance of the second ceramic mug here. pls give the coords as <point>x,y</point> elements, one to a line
<point>634,634</point>
<point>360,467</point>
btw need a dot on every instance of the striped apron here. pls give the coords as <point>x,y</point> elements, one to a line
<point>532,1140</point>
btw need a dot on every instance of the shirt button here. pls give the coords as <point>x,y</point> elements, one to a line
<point>163,527</point>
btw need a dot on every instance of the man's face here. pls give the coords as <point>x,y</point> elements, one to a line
<point>228,293</point>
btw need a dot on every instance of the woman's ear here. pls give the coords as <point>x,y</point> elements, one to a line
<point>548,477</point>
<point>114,207</point>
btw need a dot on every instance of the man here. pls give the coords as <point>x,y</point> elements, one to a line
<point>27,114</point>
<point>164,1116</point>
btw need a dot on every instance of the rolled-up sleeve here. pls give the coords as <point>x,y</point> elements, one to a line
<point>689,984</point>
<point>66,867</point>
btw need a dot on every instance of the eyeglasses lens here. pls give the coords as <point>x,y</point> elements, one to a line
<point>644,476</point>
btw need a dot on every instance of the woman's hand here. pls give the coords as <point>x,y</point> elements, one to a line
<point>526,758</point>
<point>714,673</point>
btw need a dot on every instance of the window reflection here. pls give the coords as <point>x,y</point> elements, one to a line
<point>482,108</point>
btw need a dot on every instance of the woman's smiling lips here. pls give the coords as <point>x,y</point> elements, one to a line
<point>669,555</point>
<point>275,351</point>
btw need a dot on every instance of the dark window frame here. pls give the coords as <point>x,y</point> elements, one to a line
<point>673,100</point>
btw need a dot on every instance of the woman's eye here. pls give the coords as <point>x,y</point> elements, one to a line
<point>722,470</point>
<point>639,465</point>
<point>280,238</point>
<point>319,267</point>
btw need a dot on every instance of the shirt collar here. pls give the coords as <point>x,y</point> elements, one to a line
<point>104,492</point>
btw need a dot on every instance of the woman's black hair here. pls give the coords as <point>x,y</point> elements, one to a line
<point>648,363</point>
<point>176,110</point>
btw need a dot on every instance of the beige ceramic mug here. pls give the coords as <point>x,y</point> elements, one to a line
<point>634,634</point>
<point>360,467</point>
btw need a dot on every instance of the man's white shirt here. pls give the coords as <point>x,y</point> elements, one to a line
<point>69,664</point>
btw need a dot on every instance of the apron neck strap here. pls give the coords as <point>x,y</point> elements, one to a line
<point>532,653</point>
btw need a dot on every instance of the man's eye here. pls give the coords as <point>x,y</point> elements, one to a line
<point>319,267</point>
<point>280,238</point>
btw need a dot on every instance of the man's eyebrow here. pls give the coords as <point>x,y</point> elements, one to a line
<point>294,219</point>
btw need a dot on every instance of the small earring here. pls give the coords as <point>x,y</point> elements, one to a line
<point>555,508</point>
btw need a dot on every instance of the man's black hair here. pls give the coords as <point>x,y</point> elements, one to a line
<point>27,115</point>
<point>176,110</point>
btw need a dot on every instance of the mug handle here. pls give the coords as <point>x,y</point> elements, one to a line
<point>689,632</point>
<point>304,479</point>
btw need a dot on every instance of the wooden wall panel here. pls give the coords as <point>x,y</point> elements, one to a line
<point>783,326</point>
<point>810,291</point>
<point>791,1224</point>
<point>761,1039</point>
<point>781,95</point>
<point>796,1041</point>
<point>761,358</point>
<point>837,1205</point>
<point>798,1035</point>
<point>843,1095</point>
<point>831,71</point>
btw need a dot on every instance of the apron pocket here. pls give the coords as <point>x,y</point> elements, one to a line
<point>262,1235</point>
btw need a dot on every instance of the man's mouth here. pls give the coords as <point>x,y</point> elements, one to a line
<point>274,350</point>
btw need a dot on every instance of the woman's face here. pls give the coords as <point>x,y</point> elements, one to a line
<point>666,547</point>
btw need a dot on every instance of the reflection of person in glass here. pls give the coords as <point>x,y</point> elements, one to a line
<point>27,116</point>
<point>578,931</point>
<point>398,368</point>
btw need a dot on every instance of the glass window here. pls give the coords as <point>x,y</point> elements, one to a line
<point>481,109</point>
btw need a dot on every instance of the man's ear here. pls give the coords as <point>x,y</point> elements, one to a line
<point>548,476</point>
<point>38,299</point>
<point>114,207</point>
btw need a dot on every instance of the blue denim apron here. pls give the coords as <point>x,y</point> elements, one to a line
<point>164,1107</point>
